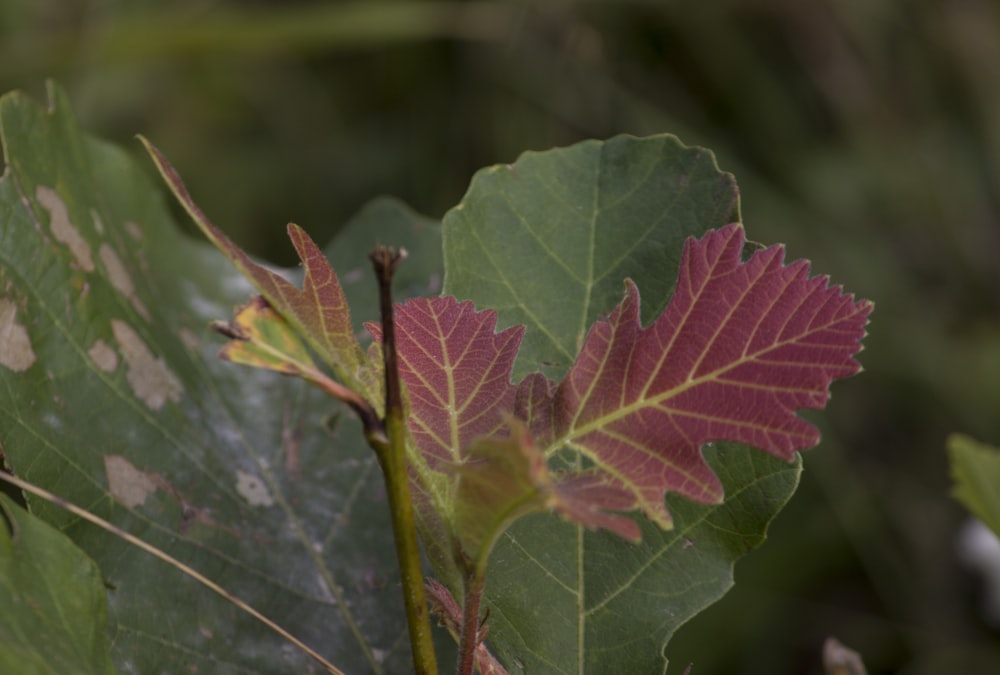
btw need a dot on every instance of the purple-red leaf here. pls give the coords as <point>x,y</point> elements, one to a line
<point>457,373</point>
<point>741,347</point>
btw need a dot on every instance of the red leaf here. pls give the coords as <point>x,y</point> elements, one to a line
<point>741,347</point>
<point>456,371</point>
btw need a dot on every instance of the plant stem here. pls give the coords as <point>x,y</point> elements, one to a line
<point>392,457</point>
<point>473,594</point>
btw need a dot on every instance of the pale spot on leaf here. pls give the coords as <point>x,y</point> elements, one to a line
<point>126,483</point>
<point>189,339</point>
<point>98,223</point>
<point>134,230</point>
<point>150,377</point>
<point>120,278</point>
<point>103,356</point>
<point>15,345</point>
<point>252,489</point>
<point>63,230</point>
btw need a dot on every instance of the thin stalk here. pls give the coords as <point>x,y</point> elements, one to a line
<point>392,457</point>
<point>473,595</point>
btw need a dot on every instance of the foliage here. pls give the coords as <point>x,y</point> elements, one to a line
<point>975,468</point>
<point>740,347</point>
<point>864,136</point>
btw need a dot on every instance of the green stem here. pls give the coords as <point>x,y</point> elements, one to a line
<point>392,457</point>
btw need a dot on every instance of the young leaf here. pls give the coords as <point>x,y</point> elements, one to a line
<point>318,311</point>
<point>741,347</point>
<point>501,480</point>
<point>457,374</point>
<point>260,337</point>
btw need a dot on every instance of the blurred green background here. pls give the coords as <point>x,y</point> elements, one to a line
<point>865,135</point>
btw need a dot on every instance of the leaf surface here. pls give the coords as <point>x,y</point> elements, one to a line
<point>548,240</point>
<point>114,398</point>
<point>457,374</point>
<point>54,617</point>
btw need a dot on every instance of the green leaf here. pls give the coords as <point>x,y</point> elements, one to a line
<point>975,468</point>
<point>566,600</point>
<point>112,397</point>
<point>54,617</point>
<point>547,242</point>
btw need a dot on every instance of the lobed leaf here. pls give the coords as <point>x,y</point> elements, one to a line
<point>741,347</point>
<point>457,373</point>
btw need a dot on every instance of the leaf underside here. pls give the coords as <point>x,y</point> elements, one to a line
<point>742,346</point>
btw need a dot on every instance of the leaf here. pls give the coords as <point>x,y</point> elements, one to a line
<point>263,339</point>
<point>547,241</point>
<point>319,311</point>
<point>259,481</point>
<point>975,469</point>
<point>457,374</point>
<point>502,480</point>
<point>741,347</point>
<point>54,617</point>
<point>566,600</point>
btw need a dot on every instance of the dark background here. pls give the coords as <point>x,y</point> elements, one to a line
<point>865,135</point>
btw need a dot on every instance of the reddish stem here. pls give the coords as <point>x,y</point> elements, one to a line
<point>470,639</point>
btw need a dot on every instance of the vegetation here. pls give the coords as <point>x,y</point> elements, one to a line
<point>883,181</point>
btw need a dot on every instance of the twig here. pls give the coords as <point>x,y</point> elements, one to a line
<point>392,457</point>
